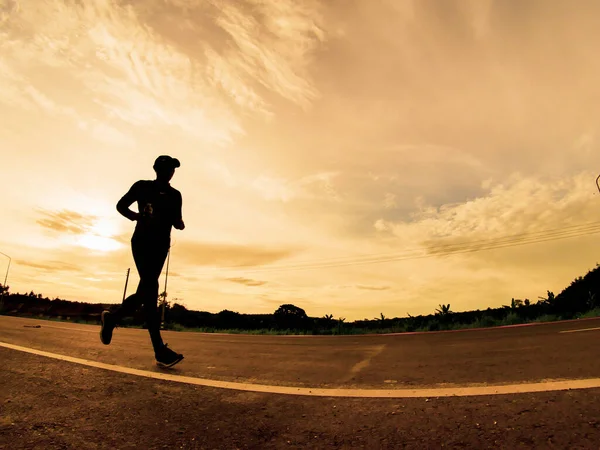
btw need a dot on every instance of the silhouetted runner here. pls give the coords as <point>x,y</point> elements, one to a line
<point>159,206</point>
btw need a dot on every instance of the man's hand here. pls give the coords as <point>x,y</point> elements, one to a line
<point>179,225</point>
<point>131,215</point>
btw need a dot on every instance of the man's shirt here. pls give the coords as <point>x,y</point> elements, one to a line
<point>159,205</point>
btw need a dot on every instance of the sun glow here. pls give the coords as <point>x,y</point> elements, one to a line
<point>101,236</point>
<point>101,243</point>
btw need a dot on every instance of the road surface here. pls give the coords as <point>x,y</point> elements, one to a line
<point>50,403</point>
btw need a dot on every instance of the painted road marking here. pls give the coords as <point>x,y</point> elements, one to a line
<point>69,328</point>
<point>582,329</point>
<point>459,391</point>
<point>372,353</point>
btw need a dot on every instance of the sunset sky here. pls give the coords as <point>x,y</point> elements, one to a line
<point>326,147</point>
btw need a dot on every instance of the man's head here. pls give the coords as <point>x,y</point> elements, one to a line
<point>165,166</point>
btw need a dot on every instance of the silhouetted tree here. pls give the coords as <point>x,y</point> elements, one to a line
<point>228,319</point>
<point>380,319</point>
<point>444,310</point>
<point>328,320</point>
<point>290,316</point>
<point>340,323</point>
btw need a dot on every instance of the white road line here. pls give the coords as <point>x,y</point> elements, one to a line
<point>71,328</point>
<point>372,353</point>
<point>582,329</point>
<point>459,391</point>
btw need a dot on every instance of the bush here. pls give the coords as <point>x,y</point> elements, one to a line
<point>592,313</point>
<point>548,318</point>
<point>434,325</point>
<point>484,322</point>
<point>174,327</point>
<point>512,318</point>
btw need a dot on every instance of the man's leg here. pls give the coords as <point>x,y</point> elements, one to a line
<point>111,319</point>
<point>128,308</point>
<point>154,259</point>
<point>150,261</point>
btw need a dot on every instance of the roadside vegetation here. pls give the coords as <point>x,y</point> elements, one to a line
<point>578,300</point>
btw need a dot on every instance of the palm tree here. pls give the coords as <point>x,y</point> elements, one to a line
<point>328,319</point>
<point>340,322</point>
<point>444,310</point>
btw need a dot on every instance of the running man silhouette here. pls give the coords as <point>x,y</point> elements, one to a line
<point>159,206</point>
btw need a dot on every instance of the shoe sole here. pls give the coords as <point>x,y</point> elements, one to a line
<point>166,366</point>
<point>102,329</point>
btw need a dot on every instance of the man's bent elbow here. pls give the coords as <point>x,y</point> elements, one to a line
<point>124,210</point>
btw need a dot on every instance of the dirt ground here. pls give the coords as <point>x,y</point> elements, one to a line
<point>50,404</point>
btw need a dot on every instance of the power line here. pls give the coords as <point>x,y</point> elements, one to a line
<point>581,227</point>
<point>423,256</point>
<point>436,250</point>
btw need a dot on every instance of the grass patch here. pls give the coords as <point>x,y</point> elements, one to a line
<point>512,318</point>
<point>588,315</point>
<point>547,318</point>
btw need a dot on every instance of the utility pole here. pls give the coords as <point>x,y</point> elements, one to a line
<point>126,281</point>
<point>4,287</point>
<point>164,296</point>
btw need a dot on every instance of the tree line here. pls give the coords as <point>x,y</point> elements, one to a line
<point>579,299</point>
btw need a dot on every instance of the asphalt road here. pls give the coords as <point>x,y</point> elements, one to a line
<point>494,356</point>
<point>45,403</point>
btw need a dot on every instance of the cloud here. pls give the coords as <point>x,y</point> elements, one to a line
<point>275,188</point>
<point>520,205</point>
<point>66,221</point>
<point>230,255</point>
<point>279,299</point>
<point>51,266</point>
<point>372,288</point>
<point>272,43</point>
<point>121,61</point>
<point>107,133</point>
<point>314,186</point>
<point>246,281</point>
<point>87,231</point>
<point>390,201</point>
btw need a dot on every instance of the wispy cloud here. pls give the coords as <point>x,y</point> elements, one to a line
<point>230,255</point>
<point>82,230</point>
<point>134,74</point>
<point>50,266</point>
<point>316,186</point>
<point>372,288</point>
<point>66,221</point>
<point>272,44</point>
<point>246,281</point>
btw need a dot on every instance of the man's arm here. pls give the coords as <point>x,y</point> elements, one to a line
<point>178,220</point>
<point>126,201</point>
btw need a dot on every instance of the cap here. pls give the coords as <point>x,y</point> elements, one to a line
<point>166,161</point>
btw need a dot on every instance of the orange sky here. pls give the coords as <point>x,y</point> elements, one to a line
<point>311,134</point>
